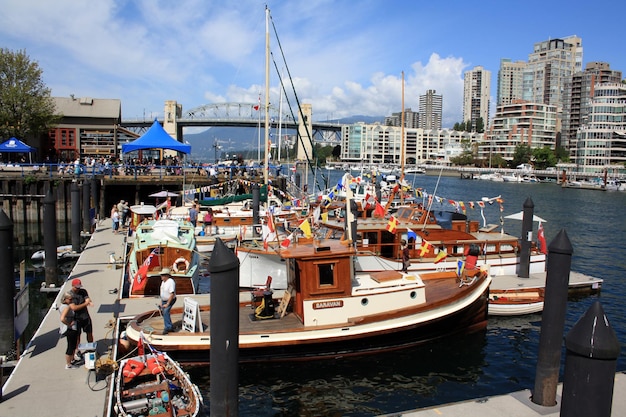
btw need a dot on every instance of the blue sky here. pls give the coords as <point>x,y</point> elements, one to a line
<point>346,57</point>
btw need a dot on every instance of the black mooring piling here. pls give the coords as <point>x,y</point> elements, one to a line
<point>527,238</point>
<point>553,320</point>
<point>224,356</point>
<point>592,349</point>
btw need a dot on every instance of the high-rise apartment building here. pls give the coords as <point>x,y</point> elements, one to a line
<point>510,77</point>
<point>577,98</point>
<point>601,141</point>
<point>476,91</point>
<point>430,111</point>
<point>519,123</point>
<point>411,119</point>
<point>549,68</point>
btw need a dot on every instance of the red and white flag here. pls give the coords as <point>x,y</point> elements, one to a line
<point>543,247</point>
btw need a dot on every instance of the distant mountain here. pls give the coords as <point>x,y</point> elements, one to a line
<point>235,140</point>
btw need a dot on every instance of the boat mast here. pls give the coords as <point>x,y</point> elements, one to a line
<point>266,169</point>
<point>280,118</point>
<point>402,156</point>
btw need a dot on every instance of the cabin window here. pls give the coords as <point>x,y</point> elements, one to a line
<point>389,244</point>
<point>326,274</point>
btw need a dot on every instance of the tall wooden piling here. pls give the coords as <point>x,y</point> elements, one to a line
<point>75,221</point>
<point>7,283</point>
<point>50,241</point>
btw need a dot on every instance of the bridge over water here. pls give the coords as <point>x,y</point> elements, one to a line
<point>236,115</point>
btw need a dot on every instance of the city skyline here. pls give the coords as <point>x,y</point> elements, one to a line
<point>345,60</point>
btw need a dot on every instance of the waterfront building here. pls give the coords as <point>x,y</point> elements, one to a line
<point>577,99</point>
<point>521,122</point>
<point>550,66</point>
<point>601,142</point>
<point>411,119</point>
<point>510,81</point>
<point>380,144</point>
<point>476,92</point>
<point>89,127</point>
<point>430,110</point>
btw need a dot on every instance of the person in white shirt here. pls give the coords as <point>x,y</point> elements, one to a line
<point>168,298</point>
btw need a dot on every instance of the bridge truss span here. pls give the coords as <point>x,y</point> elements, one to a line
<point>235,111</point>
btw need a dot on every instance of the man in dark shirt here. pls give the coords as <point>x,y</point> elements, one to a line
<point>193,215</point>
<point>80,303</point>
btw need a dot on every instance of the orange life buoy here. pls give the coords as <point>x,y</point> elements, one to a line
<point>178,261</point>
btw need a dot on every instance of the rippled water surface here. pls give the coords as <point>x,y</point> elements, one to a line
<point>499,360</point>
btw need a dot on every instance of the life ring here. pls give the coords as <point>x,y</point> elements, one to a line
<point>178,261</point>
<point>132,368</point>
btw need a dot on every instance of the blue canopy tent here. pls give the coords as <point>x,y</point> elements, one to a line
<point>156,138</point>
<point>16,146</point>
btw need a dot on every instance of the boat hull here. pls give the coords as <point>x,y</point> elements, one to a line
<point>281,340</point>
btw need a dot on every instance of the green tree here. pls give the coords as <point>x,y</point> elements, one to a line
<point>561,154</point>
<point>544,157</point>
<point>521,155</point>
<point>26,108</point>
<point>468,126</point>
<point>480,125</point>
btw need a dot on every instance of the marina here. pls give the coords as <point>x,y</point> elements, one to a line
<point>454,375</point>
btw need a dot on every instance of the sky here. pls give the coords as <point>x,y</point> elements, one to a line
<point>345,57</point>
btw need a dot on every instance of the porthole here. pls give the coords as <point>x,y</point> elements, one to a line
<point>413,294</point>
<point>364,301</point>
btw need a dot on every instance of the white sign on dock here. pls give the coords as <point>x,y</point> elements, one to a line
<point>191,316</point>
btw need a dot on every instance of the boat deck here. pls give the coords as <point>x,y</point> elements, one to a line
<point>438,290</point>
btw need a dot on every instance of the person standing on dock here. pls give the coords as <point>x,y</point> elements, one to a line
<point>193,215</point>
<point>68,329</point>
<point>168,298</point>
<point>115,219</point>
<point>80,302</point>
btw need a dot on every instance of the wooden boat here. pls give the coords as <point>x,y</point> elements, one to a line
<point>158,244</point>
<point>436,232</point>
<point>154,384</point>
<point>329,310</point>
<point>516,301</point>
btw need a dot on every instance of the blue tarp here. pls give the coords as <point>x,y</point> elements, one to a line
<point>15,145</point>
<point>156,138</point>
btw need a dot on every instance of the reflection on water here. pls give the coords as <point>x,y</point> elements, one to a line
<point>360,386</point>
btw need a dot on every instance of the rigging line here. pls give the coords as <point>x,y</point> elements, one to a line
<point>430,203</point>
<point>294,92</point>
<point>306,154</point>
